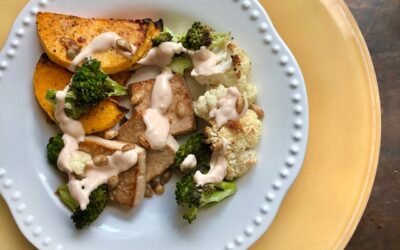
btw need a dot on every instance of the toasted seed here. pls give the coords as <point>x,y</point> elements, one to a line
<point>72,53</point>
<point>149,192</point>
<point>69,42</point>
<point>100,160</point>
<point>124,45</point>
<point>144,143</point>
<point>110,134</point>
<point>113,182</point>
<point>81,39</point>
<point>128,147</point>
<point>71,46</point>
<point>159,190</point>
<point>166,176</point>
<point>180,110</point>
<point>240,104</point>
<point>259,111</point>
<point>154,183</point>
<point>137,98</point>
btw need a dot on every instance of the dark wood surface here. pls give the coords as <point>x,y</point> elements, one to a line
<point>379,21</point>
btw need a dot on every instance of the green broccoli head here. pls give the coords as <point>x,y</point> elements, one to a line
<point>194,145</point>
<point>197,36</point>
<point>162,38</point>
<point>54,147</point>
<point>89,86</point>
<point>193,197</point>
<point>187,193</point>
<point>98,201</point>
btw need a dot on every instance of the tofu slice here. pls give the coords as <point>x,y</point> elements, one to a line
<point>182,122</point>
<point>132,183</point>
<point>157,161</point>
<point>180,114</point>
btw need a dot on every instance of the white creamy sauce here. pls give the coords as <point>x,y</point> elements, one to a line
<point>226,108</point>
<point>162,55</point>
<point>205,62</point>
<point>218,168</point>
<point>100,43</point>
<point>173,143</point>
<point>73,132</point>
<point>161,95</point>
<point>188,163</point>
<point>157,128</point>
<point>95,176</point>
<point>157,124</point>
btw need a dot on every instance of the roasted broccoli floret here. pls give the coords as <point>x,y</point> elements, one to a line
<point>187,193</point>
<point>194,145</point>
<point>89,86</point>
<point>98,200</point>
<point>193,197</point>
<point>54,147</point>
<point>200,35</point>
<point>197,36</point>
<point>161,38</point>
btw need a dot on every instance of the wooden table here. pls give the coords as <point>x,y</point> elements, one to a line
<point>379,21</point>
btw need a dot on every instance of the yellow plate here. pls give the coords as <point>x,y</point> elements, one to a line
<point>323,207</point>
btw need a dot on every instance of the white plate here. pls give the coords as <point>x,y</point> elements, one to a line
<point>27,182</point>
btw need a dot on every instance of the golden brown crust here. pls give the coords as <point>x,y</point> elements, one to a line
<point>54,29</point>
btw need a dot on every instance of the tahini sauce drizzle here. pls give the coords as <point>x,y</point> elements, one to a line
<point>73,132</point>
<point>188,163</point>
<point>205,62</point>
<point>100,43</point>
<point>226,108</point>
<point>157,124</point>
<point>96,176</point>
<point>218,168</point>
<point>162,55</point>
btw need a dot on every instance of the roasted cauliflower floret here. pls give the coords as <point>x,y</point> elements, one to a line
<point>242,137</point>
<point>233,68</point>
<point>208,101</point>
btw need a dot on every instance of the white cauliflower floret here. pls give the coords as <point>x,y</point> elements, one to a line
<point>233,68</point>
<point>77,162</point>
<point>239,163</point>
<point>242,137</point>
<point>249,91</point>
<point>209,100</point>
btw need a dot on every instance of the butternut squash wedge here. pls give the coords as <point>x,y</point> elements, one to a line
<point>55,30</point>
<point>49,75</point>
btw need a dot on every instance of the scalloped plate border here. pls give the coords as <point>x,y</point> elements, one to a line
<point>275,193</point>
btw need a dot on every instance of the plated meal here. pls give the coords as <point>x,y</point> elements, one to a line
<point>118,139</point>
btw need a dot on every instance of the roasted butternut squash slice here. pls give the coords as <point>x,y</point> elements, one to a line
<point>57,32</point>
<point>49,75</point>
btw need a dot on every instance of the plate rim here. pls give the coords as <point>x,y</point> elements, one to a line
<point>293,69</point>
<point>375,147</point>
